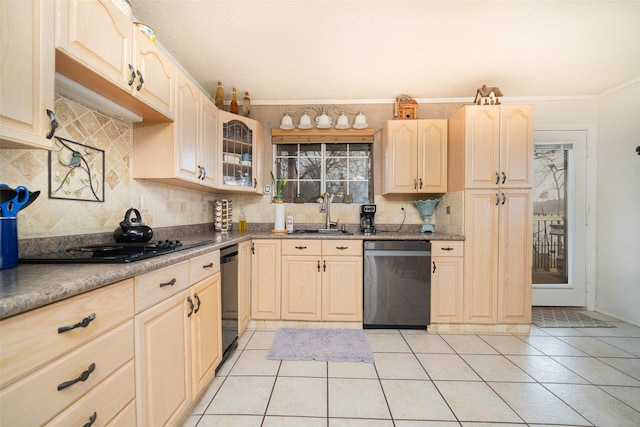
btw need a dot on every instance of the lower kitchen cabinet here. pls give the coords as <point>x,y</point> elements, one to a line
<point>497,255</point>
<point>178,340</point>
<point>206,333</point>
<point>265,279</point>
<point>43,352</point>
<point>162,360</point>
<point>447,281</point>
<point>244,286</point>
<point>322,280</point>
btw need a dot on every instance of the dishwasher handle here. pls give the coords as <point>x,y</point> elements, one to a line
<point>396,253</point>
<point>230,257</point>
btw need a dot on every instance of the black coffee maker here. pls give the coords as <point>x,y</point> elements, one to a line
<point>367,222</point>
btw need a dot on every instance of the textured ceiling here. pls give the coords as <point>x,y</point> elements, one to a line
<point>369,51</point>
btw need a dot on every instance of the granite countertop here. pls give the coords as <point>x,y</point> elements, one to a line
<point>30,286</point>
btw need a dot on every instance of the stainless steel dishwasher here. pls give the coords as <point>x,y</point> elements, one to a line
<point>397,284</point>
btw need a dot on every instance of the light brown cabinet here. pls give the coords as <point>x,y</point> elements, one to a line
<point>322,280</point>
<point>244,286</point>
<point>178,337</point>
<point>265,279</point>
<point>239,154</point>
<point>491,146</point>
<point>447,272</point>
<point>183,152</point>
<point>414,156</point>
<point>27,82</point>
<point>43,353</point>
<point>98,47</point>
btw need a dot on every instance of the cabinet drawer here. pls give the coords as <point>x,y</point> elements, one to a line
<point>31,339</point>
<point>106,401</point>
<point>204,266</point>
<point>301,247</point>
<point>446,248</point>
<point>341,247</point>
<point>158,285</point>
<point>35,399</point>
<point>126,417</point>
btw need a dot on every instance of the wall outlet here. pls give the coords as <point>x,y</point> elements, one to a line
<point>143,203</point>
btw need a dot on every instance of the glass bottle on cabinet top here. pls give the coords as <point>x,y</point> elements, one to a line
<point>237,154</point>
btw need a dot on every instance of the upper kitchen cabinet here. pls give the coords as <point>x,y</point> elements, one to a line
<point>491,146</point>
<point>27,82</point>
<point>182,152</point>
<point>98,47</point>
<point>415,156</point>
<point>239,153</point>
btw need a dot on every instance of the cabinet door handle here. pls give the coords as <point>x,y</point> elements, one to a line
<point>415,184</point>
<point>504,177</point>
<point>497,199</point>
<point>169,283</point>
<point>199,172</point>
<point>83,377</point>
<point>81,324</point>
<point>54,124</point>
<point>92,419</point>
<point>255,183</point>
<point>199,303</point>
<point>421,183</point>
<point>324,265</point>
<point>133,75</point>
<point>141,81</point>
<point>342,248</point>
<point>301,247</point>
<point>504,198</point>
<point>497,178</point>
<point>434,266</point>
<point>318,266</point>
<point>447,249</point>
<point>191,306</point>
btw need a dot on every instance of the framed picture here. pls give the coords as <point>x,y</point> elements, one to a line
<point>76,171</point>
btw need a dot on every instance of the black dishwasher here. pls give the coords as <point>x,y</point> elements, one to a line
<point>229,305</point>
<point>397,284</point>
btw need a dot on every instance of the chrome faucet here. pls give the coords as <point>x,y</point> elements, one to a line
<point>326,207</point>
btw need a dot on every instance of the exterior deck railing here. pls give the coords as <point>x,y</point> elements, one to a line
<point>548,243</point>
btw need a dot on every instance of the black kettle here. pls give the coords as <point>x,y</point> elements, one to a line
<point>132,229</point>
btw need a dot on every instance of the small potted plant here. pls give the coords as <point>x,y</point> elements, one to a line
<point>278,188</point>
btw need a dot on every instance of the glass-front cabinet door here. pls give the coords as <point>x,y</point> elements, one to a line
<point>239,153</point>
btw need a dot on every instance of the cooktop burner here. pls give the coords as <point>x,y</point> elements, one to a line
<point>114,253</point>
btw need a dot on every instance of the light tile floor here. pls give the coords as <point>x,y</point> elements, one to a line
<point>552,376</point>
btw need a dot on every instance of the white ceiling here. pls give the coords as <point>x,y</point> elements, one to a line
<point>369,51</point>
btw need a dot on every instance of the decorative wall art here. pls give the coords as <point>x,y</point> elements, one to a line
<point>76,171</point>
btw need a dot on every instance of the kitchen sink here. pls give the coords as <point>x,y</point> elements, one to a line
<point>321,231</point>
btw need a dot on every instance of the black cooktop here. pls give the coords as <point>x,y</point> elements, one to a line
<point>116,253</point>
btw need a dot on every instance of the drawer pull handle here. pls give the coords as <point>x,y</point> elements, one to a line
<point>83,377</point>
<point>342,248</point>
<point>447,249</point>
<point>92,419</point>
<point>81,324</point>
<point>199,303</point>
<point>210,265</point>
<point>301,247</point>
<point>169,283</point>
<point>191,306</point>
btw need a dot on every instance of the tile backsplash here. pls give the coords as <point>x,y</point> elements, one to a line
<point>166,205</point>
